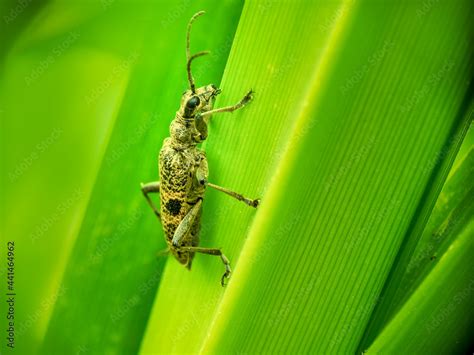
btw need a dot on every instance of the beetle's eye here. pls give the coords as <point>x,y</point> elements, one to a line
<point>213,86</point>
<point>193,102</point>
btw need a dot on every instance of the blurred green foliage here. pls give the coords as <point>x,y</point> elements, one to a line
<point>359,112</point>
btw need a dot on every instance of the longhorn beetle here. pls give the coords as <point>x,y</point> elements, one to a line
<point>183,170</point>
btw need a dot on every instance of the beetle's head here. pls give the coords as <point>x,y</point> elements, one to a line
<point>201,100</point>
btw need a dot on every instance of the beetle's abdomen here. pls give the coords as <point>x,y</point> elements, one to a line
<point>178,194</point>
<point>176,172</point>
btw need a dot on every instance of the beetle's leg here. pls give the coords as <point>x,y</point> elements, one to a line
<point>212,251</point>
<point>251,203</point>
<point>186,223</point>
<point>163,252</point>
<point>245,100</point>
<point>148,188</point>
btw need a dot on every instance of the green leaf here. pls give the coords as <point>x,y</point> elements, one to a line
<point>359,111</point>
<point>115,256</point>
<point>438,317</point>
<point>244,150</point>
<point>52,143</point>
<point>408,268</point>
<point>450,215</point>
<point>347,147</point>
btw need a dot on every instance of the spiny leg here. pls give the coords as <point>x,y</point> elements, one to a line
<point>186,223</point>
<point>251,203</point>
<point>149,188</point>
<point>245,100</point>
<point>216,252</point>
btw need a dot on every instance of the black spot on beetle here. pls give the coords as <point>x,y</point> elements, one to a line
<point>173,206</point>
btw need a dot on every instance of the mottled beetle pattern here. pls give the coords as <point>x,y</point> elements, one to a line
<point>184,171</point>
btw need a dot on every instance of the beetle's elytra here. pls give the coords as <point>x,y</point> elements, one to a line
<point>184,171</point>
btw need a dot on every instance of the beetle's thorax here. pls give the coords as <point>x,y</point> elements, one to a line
<point>189,128</point>
<point>183,132</point>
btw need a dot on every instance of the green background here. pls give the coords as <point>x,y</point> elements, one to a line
<point>361,113</point>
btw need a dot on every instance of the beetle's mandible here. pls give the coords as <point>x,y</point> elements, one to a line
<point>183,170</point>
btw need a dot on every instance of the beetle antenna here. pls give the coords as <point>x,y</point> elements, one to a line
<point>190,57</point>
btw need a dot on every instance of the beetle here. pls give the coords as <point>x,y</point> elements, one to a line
<point>183,169</point>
